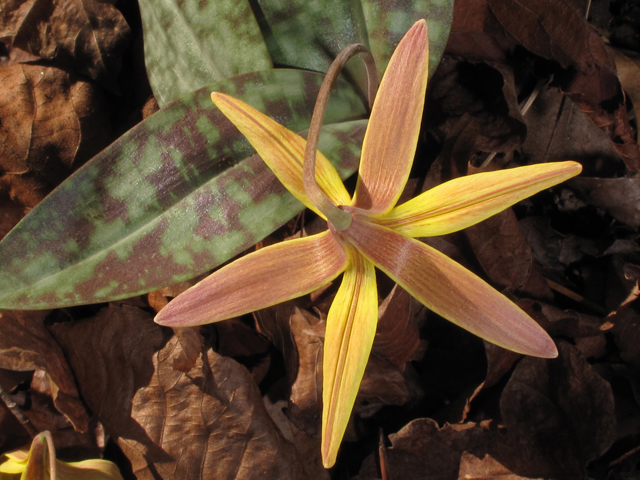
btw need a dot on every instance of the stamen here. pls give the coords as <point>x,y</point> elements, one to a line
<point>339,218</point>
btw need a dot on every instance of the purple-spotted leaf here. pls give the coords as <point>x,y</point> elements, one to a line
<point>174,197</point>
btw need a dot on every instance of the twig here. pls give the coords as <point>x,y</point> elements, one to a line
<point>574,296</point>
<point>17,412</point>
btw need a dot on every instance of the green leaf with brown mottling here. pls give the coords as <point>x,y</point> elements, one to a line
<point>190,44</point>
<point>177,195</point>
<point>182,192</point>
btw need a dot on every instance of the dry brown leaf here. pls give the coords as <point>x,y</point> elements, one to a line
<point>628,66</point>
<point>485,93</point>
<point>307,446</point>
<point>306,391</point>
<point>476,35</point>
<point>383,384</point>
<point>191,344</point>
<point>620,197</point>
<point>423,450</point>
<point>12,434</point>
<point>553,250</point>
<point>626,329</point>
<point>51,124</point>
<point>110,355</point>
<point>208,422</point>
<point>499,362</point>
<point>553,29</point>
<point>274,324</point>
<point>565,323</point>
<point>486,468</point>
<point>559,415</point>
<point>397,334</point>
<point>236,339</point>
<point>87,36</point>
<point>559,130</point>
<point>26,344</point>
<point>556,30</point>
<point>506,257</point>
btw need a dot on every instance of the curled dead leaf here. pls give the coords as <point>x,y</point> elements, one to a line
<point>207,422</point>
<point>88,36</point>
<point>51,123</point>
<point>26,344</point>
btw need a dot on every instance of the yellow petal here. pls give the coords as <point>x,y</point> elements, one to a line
<point>282,150</point>
<point>450,290</point>
<point>351,327</point>
<point>465,201</point>
<point>14,462</point>
<point>94,469</point>
<point>37,464</point>
<point>263,278</point>
<point>390,141</point>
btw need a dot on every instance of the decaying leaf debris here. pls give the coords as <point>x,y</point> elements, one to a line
<point>242,399</point>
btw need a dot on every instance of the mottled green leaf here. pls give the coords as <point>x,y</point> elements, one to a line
<point>190,44</point>
<point>175,196</point>
<point>388,20</point>
<point>309,34</point>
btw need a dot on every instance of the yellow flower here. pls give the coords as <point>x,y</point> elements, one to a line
<point>369,231</point>
<point>40,463</point>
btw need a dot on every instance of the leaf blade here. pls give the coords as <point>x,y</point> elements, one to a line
<point>186,49</point>
<point>87,244</point>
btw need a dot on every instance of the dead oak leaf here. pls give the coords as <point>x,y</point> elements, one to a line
<point>486,468</point>
<point>559,415</point>
<point>397,334</point>
<point>626,329</point>
<point>50,123</point>
<point>556,30</point>
<point>210,421</point>
<point>553,29</point>
<point>619,197</point>
<point>87,36</point>
<point>110,355</point>
<point>25,345</point>
<point>422,450</point>
<point>207,422</point>
<point>506,257</point>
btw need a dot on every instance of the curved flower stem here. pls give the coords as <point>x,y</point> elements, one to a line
<point>338,217</point>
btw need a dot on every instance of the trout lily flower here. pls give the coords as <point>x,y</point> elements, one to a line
<point>40,463</point>
<point>369,231</point>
